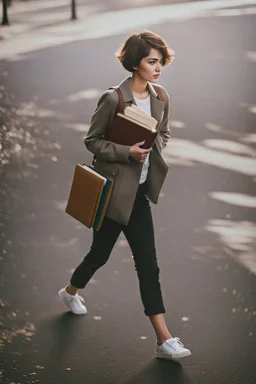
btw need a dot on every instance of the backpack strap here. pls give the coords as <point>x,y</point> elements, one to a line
<point>121,99</point>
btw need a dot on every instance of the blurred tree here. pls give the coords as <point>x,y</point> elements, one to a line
<point>5,20</point>
<point>73,10</point>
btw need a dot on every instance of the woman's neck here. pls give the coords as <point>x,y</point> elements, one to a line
<point>139,87</point>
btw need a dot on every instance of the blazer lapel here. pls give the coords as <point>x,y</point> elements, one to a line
<point>157,106</point>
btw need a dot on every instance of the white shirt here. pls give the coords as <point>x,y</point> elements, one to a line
<point>145,106</point>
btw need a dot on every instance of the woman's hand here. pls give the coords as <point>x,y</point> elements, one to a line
<point>138,153</point>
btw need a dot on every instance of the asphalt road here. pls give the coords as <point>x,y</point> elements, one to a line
<point>204,221</point>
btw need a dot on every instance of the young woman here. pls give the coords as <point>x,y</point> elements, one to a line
<point>139,175</point>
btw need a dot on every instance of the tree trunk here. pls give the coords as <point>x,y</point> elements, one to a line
<point>5,20</point>
<point>73,10</point>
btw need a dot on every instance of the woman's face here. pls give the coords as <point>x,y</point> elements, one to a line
<point>150,66</point>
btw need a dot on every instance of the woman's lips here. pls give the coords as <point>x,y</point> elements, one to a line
<point>156,76</point>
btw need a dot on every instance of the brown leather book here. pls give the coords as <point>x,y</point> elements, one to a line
<point>89,196</point>
<point>127,132</point>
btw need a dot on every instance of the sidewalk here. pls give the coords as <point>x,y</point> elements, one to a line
<point>31,30</point>
<point>27,16</point>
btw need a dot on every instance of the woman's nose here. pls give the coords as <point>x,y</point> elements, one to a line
<point>158,67</point>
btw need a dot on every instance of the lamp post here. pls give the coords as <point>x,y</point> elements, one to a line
<point>73,10</point>
<point>5,20</point>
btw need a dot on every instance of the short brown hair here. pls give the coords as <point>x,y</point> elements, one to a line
<point>138,46</point>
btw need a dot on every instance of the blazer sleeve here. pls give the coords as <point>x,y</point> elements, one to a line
<point>95,140</point>
<point>164,127</point>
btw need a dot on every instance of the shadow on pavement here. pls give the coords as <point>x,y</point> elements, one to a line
<point>161,372</point>
<point>61,333</point>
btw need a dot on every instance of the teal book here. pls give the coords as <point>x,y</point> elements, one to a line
<point>103,200</point>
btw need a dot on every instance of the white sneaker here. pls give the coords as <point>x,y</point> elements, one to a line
<point>171,348</point>
<point>73,302</point>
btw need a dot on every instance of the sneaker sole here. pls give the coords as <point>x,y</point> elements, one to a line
<point>61,299</point>
<point>167,356</point>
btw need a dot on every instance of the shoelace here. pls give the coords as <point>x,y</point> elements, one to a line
<point>179,342</point>
<point>77,297</point>
<point>177,339</point>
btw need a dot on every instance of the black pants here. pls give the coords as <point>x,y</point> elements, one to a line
<point>140,235</point>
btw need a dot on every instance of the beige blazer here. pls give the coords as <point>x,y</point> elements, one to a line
<point>113,159</point>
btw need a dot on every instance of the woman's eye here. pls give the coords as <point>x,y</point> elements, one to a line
<point>151,62</point>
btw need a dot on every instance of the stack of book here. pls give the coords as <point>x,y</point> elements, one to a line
<point>133,126</point>
<point>89,196</point>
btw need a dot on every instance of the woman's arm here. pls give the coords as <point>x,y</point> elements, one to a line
<point>95,140</point>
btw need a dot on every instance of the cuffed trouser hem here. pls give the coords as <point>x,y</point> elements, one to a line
<point>78,286</point>
<point>155,312</point>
